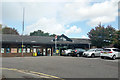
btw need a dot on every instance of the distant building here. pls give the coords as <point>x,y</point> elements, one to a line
<point>45,46</point>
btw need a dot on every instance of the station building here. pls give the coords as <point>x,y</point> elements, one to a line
<point>45,46</point>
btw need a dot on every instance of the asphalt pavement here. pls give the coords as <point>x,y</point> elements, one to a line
<point>59,67</point>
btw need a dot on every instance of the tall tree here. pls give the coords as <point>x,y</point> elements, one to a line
<point>8,30</point>
<point>101,36</point>
<point>117,39</point>
<point>41,33</point>
<point>53,35</point>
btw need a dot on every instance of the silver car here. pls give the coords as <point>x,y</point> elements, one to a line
<point>93,52</point>
<point>66,52</point>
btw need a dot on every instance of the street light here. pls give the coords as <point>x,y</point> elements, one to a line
<point>23,30</point>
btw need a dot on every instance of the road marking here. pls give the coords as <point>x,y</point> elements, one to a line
<point>33,73</point>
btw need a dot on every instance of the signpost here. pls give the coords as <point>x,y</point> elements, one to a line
<point>89,45</point>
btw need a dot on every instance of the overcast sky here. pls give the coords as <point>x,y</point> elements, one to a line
<point>74,18</point>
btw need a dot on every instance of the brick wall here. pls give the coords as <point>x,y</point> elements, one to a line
<point>16,54</point>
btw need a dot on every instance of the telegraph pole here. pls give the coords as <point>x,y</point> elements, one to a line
<point>23,30</point>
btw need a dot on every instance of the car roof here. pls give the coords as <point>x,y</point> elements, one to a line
<point>110,48</point>
<point>96,48</point>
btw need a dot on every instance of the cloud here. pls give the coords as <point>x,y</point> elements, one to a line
<point>83,36</point>
<point>33,11</point>
<point>46,25</point>
<point>104,12</point>
<point>65,11</point>
<point>103,19</point>
<point>73,30</point>
<point>37,1</point>
<point>52,26</point>
<point>56,16</point>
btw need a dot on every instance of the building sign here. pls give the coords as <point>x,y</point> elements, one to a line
<point>7,50</point>
<point>13,50</point>
<point>20,50</point>
<point>2,50</point>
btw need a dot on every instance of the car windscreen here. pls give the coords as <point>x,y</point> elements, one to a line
<point>69,49</point>
<point>80,49</point>
<point>107,50</point>
<point>91,50</point>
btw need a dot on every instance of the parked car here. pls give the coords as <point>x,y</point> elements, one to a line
<point>112,53</point>
<point>93,52</point>
<point>77,52</point>
<point>66,52</point>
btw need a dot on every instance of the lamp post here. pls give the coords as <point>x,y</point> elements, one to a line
<point>23,30</point>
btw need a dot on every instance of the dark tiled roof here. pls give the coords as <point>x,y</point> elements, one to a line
<point>40,40</point>
<point>81,40</point>
<point>27,39</point>
<point>68,39</point>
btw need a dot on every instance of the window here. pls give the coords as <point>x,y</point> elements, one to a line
<point>2,50</point>
<point>24,50</point>
<point>99,49</point>
<point>64,39</point>
<point>13,50</point>
<point>117,50</point>
<point>34,50</point>
<point>28,50</point>
<point>20,50</point>
<point>31,50</point>
<point>83,50</point>
<point>61,39</point>
<point>90,50</point>
<point>44,52</point>
<point>7,50</point>
<point>107,49</point>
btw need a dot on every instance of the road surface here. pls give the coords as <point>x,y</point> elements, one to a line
<point>59,67</point>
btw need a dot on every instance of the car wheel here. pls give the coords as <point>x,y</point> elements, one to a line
<point>114,57</point>
<point>102,57</point>
<point>93,55</point>
<point>69,55</point>
<point>78,55</point>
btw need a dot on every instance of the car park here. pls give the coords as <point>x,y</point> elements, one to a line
<point>66,52</point>
<point>112,53</point>
<point>77,52</point>
<point>93,52</point>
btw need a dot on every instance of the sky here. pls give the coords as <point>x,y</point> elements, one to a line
<point>74,18</point>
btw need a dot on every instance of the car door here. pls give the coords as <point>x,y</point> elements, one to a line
<point>98,52</point>
<point>117,52</point>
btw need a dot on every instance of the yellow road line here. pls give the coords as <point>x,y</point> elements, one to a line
<point>34,73</point>
<point>43,74</point>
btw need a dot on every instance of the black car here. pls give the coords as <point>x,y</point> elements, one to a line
<point>77,52</point>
